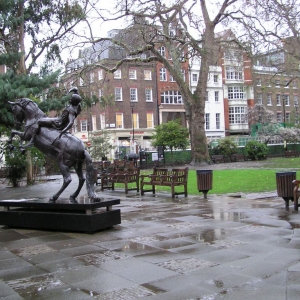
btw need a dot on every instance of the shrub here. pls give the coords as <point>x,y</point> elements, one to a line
<point>256,150</point>
<point>226,147</point>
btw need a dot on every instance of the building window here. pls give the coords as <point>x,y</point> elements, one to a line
<point>183,74</point>
<point>232,55</point>
<point>163,74</point>
<point>100,74</point>
<point>296,103</point>
<point>237,115</point>
<point>279,117</point>
<point>234,73</point>
<point>135,118</point>
<point>206,96</point>
<point>236,92</point>
<point>133,95</point>
<point>259,98</point>
<point>92,77</point>
<point>207,121</point>
<point>171,97</point>
<point>278,100</point>
<point>277,83</point>
<point>194,77</point>
<point>216,96</point>
<point>102,121</point>
<point>118,94</point>
<point>100,94</point>
<point>119,120</point>
<point>216,78</point>
<point>269,99</point>
<point>118,74</point>
<point>147,75</point>
<point>150,123</point>
<point>218,122</point>
<point>148,95</point>
<point>83,125</point>
<point>172,78</point>
<point>286,100</point>
<point>295,85</point>
<point>162,51</point>
<point>287,117</point>
<point>132,74</point>
<point>258,82</point>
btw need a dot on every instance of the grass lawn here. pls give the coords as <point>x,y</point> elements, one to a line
<point>245,180</point>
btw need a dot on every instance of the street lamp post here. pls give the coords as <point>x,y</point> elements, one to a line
<point>133,146</point>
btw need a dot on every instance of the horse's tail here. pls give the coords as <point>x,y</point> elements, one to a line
<point>90,177</point>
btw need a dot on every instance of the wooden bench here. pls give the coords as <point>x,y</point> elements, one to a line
<point>291,153</point>
<point>124,176</point>
<point>238,157</point>
<point>296,184</point>
<point>164,177</point>
<point>218,158</point>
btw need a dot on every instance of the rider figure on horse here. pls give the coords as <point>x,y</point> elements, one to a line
<point>64,122</point>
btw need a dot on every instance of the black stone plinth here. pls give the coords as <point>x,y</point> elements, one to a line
<point>62,215</point>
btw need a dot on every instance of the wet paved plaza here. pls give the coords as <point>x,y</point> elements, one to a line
<point>183,248</point>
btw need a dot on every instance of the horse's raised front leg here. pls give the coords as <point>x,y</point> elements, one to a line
<point>67,179</point>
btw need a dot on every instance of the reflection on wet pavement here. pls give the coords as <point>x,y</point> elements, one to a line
<point>189,248</point>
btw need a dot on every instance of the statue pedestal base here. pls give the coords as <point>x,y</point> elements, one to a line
<point>61,215</point>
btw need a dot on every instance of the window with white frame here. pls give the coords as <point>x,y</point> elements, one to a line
<point>118,94</point>
<point>279,117</point>
<point>100,74</point>
<point>295,84</point>
<point>172,32</point>
<point>195,77</point>
<point>133,95</point>
<point>233,55</point>
<point>234,73</point>
<point>100,94</point>
<point>118,74</point>
<point>216,96</point>
<point>286,99</point>
<point>163,74</point>
<point>147,75</point>
<point>277,83</point>
<point>278,99</point>
<point>148,95</point>
<point>132,74</point>
<point>150,123</point>
<point>171,97</point>
<point>287,117</point>
<point>162,51</point>
<point>183,74</point>
<point>269,99</point>
<point>119,120</point>
<point>259,98</point>
<point>237,115</point>
<point>102,121</point>
<point>216,78</point>
<point>92,77</point>
<point>83,125</point>
<point>206,96</point>
<point>296,103</point>
<point>207,125</point>
<point>236,92</point>
<point>135,119</point>
<point>171,78</point>
<point>218,120</point>
<point>258,81</point>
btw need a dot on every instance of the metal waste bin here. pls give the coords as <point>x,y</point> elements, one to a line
<point>204,181</point>
<point>285,186</point>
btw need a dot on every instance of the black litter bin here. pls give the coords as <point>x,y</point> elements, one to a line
<point>204,181</point>
<point>285,186</point>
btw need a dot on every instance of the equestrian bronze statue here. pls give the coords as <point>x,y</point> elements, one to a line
<point>51,137</point>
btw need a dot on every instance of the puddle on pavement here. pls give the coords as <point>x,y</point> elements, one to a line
<point>224,215</point>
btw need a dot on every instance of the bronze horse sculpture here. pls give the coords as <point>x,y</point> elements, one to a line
<point>68,150</point>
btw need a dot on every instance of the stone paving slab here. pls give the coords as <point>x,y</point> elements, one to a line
<point>178,249</point>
